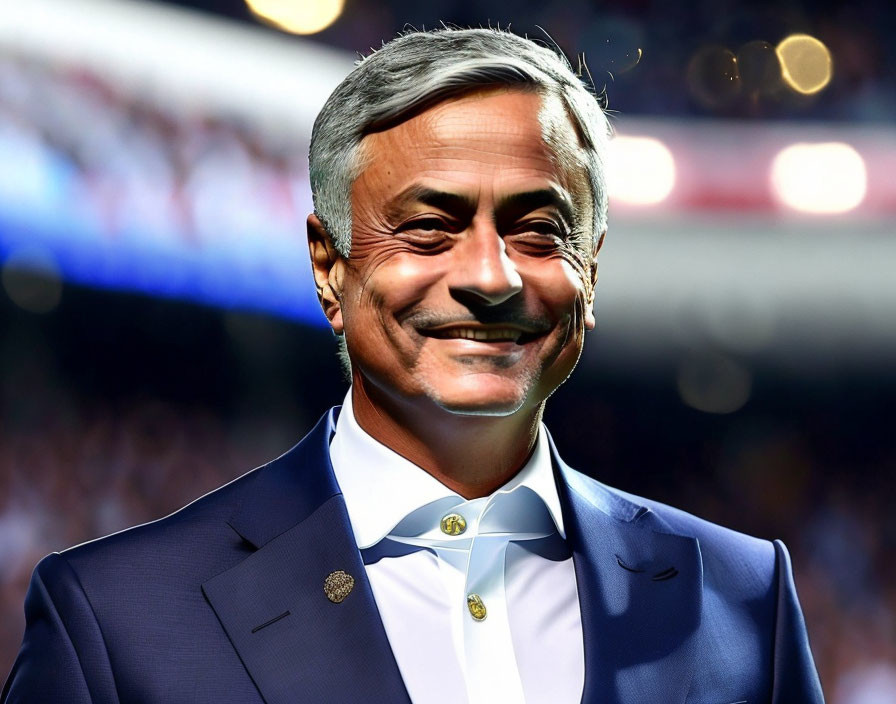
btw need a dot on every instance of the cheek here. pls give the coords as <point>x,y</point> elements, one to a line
<point>559,286</point>
<point>387,281</point>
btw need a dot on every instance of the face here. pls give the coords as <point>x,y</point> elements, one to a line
<point>465,286</point>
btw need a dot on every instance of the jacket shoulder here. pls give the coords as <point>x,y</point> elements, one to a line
<point>222,527</point>
<point>726,553</point>
<point>183,541</point>
<point>717,541</point>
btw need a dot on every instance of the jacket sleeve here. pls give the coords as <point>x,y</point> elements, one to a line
<point>63,657</point>
<point>796,679</point>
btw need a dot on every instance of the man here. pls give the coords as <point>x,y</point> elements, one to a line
<point>426,542</point>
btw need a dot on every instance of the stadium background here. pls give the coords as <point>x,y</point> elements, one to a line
<point>159,333</point>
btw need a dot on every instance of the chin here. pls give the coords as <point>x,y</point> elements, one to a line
<point>480,397</point>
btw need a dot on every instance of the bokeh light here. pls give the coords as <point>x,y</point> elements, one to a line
<point>32,280</point>
<point>713,77</point>
<point>806,64</point>
<point>713,383</point>
<point>759,68</point>
<point>641,170</point>
<point>302,17</point>
<point>614,45</point>
<point>823,178</point>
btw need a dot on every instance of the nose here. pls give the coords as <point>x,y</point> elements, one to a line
<point>482,271</point>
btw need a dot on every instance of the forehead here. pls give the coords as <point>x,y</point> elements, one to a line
<point>508,135</point>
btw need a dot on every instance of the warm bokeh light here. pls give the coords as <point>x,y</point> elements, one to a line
<point>641,170</point>
<point>806,64</point>
<point>824,178</point>
<point>297,16</point>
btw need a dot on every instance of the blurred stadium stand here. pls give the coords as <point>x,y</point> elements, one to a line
<point>159,333</point>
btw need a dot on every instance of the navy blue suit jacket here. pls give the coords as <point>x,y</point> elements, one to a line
<point>223,601</point>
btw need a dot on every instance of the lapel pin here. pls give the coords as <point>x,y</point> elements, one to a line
<point>338,585</point>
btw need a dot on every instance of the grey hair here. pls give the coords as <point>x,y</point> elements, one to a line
<point>421,68</point>
<point>417,70</point>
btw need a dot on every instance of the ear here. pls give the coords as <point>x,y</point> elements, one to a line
<point>328,267</point>
<point>589,303</point>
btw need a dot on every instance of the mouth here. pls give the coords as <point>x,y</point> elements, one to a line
<point>482,333</point>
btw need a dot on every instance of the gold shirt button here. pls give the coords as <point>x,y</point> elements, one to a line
<point>453,524</point>
<point>476,607</point>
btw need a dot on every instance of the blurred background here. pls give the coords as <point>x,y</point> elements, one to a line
<point>159,332</point>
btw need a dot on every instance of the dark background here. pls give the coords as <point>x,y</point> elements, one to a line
<point>859,34</point>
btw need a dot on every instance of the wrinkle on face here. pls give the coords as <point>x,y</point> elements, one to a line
<point>466,164</point>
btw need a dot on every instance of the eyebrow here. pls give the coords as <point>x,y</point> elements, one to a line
<point>508,209</point>
<point>453,203</point>
<point>514,206</point>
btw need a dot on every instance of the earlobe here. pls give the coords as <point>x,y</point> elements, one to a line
<point>590,322</point>
<point>327,266</point>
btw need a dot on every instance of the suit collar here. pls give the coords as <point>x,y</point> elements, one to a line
<point>287,490</point>
<point>639,584</point>
<point>640,594</point>
<point>296,644</point>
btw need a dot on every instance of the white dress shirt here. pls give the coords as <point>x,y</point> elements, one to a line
<point>511,554</point>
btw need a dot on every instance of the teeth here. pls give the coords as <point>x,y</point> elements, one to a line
<point>479,334</point>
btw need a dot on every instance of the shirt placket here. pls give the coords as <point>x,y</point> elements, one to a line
<point>489,660</point>
<point>472,566</point>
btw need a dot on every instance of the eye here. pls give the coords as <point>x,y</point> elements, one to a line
<point>543,227</point>
<point>537,237</point>
<point>427,233</point>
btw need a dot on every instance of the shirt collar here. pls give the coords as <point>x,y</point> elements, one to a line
<point>380,487</point>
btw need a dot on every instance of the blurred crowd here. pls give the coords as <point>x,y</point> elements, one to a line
<point>86,470</point>
<point>119,165</point>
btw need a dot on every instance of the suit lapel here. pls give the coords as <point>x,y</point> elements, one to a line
<point>640,594</point>
<point>296,643</point>
<point>640,591</point>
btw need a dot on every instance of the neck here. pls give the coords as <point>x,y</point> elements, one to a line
<point>471,455</point>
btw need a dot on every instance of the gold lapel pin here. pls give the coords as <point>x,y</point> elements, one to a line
<point>338,585</point>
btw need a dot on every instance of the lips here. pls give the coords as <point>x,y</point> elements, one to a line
<point>482,333</point>
<point>479,334</point>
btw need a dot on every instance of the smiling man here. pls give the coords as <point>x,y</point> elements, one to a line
<point>468,289</point>
<point>426,543</point>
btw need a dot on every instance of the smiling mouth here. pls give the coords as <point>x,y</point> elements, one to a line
<point>481,334</point>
